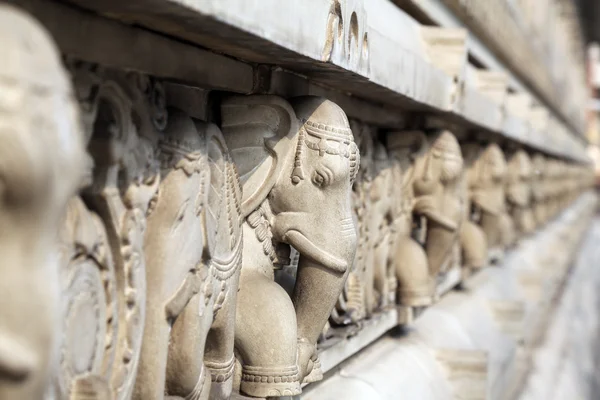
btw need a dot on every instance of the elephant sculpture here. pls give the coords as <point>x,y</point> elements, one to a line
<point>518,192</point>
<point>193,258</point>
<point>297,161</point>
<point>151,249</point>
<point>42,157</point>
<point>415,284</point>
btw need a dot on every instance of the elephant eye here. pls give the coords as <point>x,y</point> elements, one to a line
<point>319,179</point>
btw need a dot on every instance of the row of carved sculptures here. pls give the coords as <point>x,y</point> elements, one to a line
<point>426,204</point>
<point>150,255</point>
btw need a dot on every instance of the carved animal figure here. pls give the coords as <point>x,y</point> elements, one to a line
<point>297,161</point>
<point>41,159</point>
<point>193,257</point>
<point>152,249</point>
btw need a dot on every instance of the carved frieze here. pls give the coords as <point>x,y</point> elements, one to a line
<point>152,249</point>
<point>151,255</point>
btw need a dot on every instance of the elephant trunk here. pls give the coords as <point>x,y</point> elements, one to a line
<point>326,254</point>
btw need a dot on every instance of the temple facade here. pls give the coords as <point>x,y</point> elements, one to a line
<point>359,199</point>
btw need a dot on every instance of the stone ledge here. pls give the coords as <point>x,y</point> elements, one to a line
<point>474,338</point>
<point>379,53</point>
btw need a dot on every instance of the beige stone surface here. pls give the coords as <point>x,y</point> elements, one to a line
<point>42,164</point>
<point>183,224</point>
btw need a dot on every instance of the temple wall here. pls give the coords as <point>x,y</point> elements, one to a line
<point>317,199</point>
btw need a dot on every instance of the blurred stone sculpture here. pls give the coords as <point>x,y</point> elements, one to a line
<point>538,186</point>
<point>415,283</point>
<point>193,258</point>
<point>104,275</point>
<point>297,161</point>
<point>518,192</point>
<point>350,308</point>
<point>473,241</point>
<point>439,197</point>
<point>152,249</point>
<point>41,161</point>
<point>487,176</point>
<point>383,198</point>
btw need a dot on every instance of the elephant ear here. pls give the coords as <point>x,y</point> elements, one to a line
<point>259,131</point>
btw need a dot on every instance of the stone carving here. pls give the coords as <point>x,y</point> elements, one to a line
<point>439,200</point>
<point>104,282</point>
<point>297,162</point>
<point>41,159</point>
<point>384,195</point>
<point>346,35</point>
<point>538,186</point>
<point>486,177</point>
<point>152,248</point>
<point>473,240</point>
<point>415,282</point>
<point>131,257</point>
<point>193,253</point>
<point>518,192</point>
<point>351,307</point>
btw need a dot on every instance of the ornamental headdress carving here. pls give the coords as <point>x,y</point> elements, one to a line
<point>264,132</point>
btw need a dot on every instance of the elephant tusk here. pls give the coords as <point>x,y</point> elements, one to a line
<point>308,249</point>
